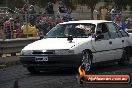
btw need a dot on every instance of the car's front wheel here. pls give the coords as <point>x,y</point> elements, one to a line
<point>125,59</point>
<point>86,60</point>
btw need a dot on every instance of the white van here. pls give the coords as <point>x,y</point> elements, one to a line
<point>75,43</point>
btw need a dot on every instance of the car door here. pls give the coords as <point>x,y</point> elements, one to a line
<point>103,47</point>
<point>121,40</point>
<point>117,41</point>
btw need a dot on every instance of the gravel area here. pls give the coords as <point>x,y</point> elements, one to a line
<point>17,76</point>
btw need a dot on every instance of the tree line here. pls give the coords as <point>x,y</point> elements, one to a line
<point>71,4</point>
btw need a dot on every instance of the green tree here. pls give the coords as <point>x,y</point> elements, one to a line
<point>20,3</point>
<point>12,5</point>
<point>69,5</point>
<point>43,3</point>
<point>130,4</point>
<point>121,4</point>
<point>90,3</point>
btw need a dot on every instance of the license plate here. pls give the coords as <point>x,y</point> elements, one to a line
<point>41,58</point>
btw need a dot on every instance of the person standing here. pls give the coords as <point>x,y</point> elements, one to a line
<point>7,29</point>
<point>49,8</point>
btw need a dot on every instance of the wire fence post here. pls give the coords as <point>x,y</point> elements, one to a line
<point>26,16</point>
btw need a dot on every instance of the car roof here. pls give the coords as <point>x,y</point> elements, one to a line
<point>86,21</point>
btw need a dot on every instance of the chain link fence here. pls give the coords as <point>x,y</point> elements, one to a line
<point>24,25</point>
<point>33,25</point>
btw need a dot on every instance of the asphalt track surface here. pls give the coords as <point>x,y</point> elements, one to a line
<point>18,77</point>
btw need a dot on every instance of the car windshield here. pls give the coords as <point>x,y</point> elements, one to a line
<point>77,30</point>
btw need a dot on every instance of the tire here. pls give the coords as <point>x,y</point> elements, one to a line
<point>125,59</point>
<point>86,61</point>
<point>32,70</point>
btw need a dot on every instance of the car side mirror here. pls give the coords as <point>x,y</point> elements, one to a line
<point>70,38</point>
<point>99,37</point>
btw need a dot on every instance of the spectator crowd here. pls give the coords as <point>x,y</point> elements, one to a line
<point>11,24</point>
<point>120,19</point>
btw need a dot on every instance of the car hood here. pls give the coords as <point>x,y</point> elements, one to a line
<point>55,43</point>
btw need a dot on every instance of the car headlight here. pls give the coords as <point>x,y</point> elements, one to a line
<point>26,52</point>
<point>64,52</point>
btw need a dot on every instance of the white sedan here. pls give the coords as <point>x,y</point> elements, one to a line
<point>75,43</point>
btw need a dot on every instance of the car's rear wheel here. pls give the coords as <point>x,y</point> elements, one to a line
<point>32,70</point>
<point>86,60</point>
<point>125,59</point>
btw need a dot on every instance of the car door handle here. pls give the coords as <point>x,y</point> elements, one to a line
<point>122,41</point>
<point>110,42</point>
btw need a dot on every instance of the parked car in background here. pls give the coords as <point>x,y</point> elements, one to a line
<point>75,43</point>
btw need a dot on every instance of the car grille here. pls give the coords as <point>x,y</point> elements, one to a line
<point>41,52</point>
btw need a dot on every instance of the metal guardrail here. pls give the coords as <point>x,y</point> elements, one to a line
<point>12,46</point>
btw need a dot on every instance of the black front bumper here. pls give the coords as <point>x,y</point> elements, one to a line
<point>54,61</point>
